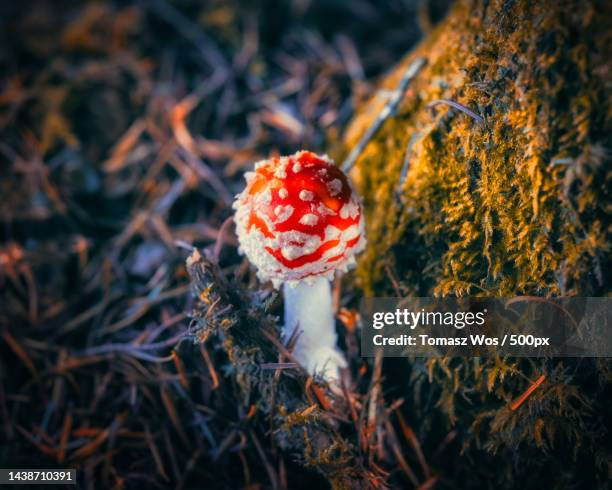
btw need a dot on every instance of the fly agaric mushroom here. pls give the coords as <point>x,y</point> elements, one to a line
<point>298,221</point>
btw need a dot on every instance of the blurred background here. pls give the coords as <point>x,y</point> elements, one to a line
<point>124,128</point>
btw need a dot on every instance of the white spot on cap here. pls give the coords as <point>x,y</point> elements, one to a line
<point>331,232</point>
<point>323,210</point>
<point>349,209</point>
<point>297,167</point>
<point>311,244</point>
<point>306,195</point>
<point>281,170</point>
<point>334,187</point>
<point>266,196</point>
<point>309,219</point>
<point>350,233</point>
<point>283,213</point>
<point>291,252</point>
<point>282,192</point>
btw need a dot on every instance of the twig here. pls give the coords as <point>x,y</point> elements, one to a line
<point>521,399</point>
<point>414,442</point>
<point>210,52</point>
<point>206,174</point>
<point>388,110</point>
<point>268,467</point>
<point>459,107</point>
<point>155,453</point>
<point>278,365</point>
<point>211,367</point>
<point>221,238</point>
<point>406,163</point>
<point>19,351</point>
<point>394,281</point>
<point>180,369</point>
<point>375,389</point>
<point>184,245</point>
<point>395,447</point>
<point>131,347</point>
<point>283,350</point>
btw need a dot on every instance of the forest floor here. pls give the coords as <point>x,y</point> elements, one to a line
<point>125,129</point>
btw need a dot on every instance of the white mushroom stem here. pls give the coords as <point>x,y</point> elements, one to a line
<point>308,305</point>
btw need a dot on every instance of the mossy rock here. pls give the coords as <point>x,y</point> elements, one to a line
<point>515,204</point>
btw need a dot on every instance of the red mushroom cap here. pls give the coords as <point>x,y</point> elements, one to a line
<point>298,218</point>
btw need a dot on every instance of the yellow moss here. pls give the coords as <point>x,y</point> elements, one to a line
<point>516,204</point>
<point>297,417</point>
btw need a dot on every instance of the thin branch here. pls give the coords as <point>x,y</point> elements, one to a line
<point>388,110</point>
<point>521,399</point>
<point>209,50</point>
<point>459,107</point>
